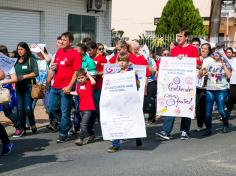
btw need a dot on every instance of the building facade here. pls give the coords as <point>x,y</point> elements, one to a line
<point>41,21</point>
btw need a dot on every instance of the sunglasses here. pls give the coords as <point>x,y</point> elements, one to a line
<point>100,49</point>
<point>165,54</point>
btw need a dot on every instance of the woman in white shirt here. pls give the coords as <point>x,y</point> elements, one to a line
<point>216,90</point>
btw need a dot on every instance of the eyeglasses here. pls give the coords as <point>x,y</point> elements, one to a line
<point>100,49</point>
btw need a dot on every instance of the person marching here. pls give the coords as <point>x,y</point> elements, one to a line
<point>86,104</point>
<point>123,61</point>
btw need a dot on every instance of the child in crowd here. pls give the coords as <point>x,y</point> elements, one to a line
<point>123,61</point>
<point>86,104</point>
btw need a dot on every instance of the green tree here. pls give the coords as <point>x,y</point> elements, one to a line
<point>180,13</point>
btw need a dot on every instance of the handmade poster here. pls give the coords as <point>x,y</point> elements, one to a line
<point>140,70</point>
<point>121,112</point>
<point>177,87</point>
<point>221,54</point>
<point>6,63</point>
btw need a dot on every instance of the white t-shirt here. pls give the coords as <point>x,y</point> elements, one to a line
<point>216,75</point>
<point>233,65</point>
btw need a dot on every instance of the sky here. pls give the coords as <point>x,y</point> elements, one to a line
<point>136,16</point>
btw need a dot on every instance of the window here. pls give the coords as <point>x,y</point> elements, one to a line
<point>82,26</point>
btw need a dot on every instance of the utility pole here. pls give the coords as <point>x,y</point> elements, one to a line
<point>215,17</point>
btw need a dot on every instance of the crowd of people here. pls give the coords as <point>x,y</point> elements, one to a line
<point>73,79</point>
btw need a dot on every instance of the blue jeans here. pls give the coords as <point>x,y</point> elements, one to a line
<point>59,109</point>
<point>12,114</point>
<point>220,97</point>
<point>96,98</point>
<point>96,113</point>
<point>45,101</point>
<point>25,106</point>
<point>116,143</point>
<point>169,123</point>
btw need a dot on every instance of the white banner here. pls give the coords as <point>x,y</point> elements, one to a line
<point>121,112</point>
<point>177,87</point>
<point>140,70</point>
<point>6,63</point>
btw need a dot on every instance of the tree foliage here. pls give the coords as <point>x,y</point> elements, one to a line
<point>180,13</point>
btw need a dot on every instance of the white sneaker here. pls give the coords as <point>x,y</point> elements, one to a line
<point>184,135</point>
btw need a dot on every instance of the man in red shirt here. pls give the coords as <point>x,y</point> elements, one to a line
<point>100,61</point>
<point>183,49</point>
<point>67,62</point>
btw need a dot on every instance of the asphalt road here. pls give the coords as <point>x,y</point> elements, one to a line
<point>40,155</point>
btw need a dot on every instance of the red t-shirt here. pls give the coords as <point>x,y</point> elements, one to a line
<point>139,60</point>
<point>188,51</point>
<point>67,63</point>
<point>85,93</point>
<point>113,59</point>
<point>100,61</point>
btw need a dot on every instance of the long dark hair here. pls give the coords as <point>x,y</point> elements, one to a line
<point>27,50</point>
<point>4,50</point>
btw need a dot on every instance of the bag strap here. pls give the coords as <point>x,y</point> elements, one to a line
<point>30,68</point>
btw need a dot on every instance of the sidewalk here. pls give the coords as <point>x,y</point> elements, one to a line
<point>41,118</point>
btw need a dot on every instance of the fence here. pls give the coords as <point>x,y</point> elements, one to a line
<point>157,43</point>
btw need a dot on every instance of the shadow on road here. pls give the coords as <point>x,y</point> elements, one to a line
<point>20,159</point>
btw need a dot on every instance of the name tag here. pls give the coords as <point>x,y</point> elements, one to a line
<point>82,87</point>
<point>24,67</point>
<point>62,62</point>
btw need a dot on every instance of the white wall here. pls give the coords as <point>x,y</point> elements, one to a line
<point>136,16</point>
<point>54,17</point>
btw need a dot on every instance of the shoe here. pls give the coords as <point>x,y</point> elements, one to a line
<point>6,149</point>
<point>163,135</point>
<point>207,133</point>
<point>19,133</point>
<point>225,129</point>
<point>184,135</point>
<point>62,139</point>
<point>79,142</point>
<point>72,132</point>
<point>53,128</point>
<point>113,149</point>
<point>199,129</point>
<point>91,139</point>
<point>33,129</point>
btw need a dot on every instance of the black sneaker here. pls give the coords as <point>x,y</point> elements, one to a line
<point>91,139</point>
<point>62,139</point>
<point>184,135</point>
<point>163,135</point>
<point>6,149</point>
<point>113,149</point>
<point>53,128</point>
